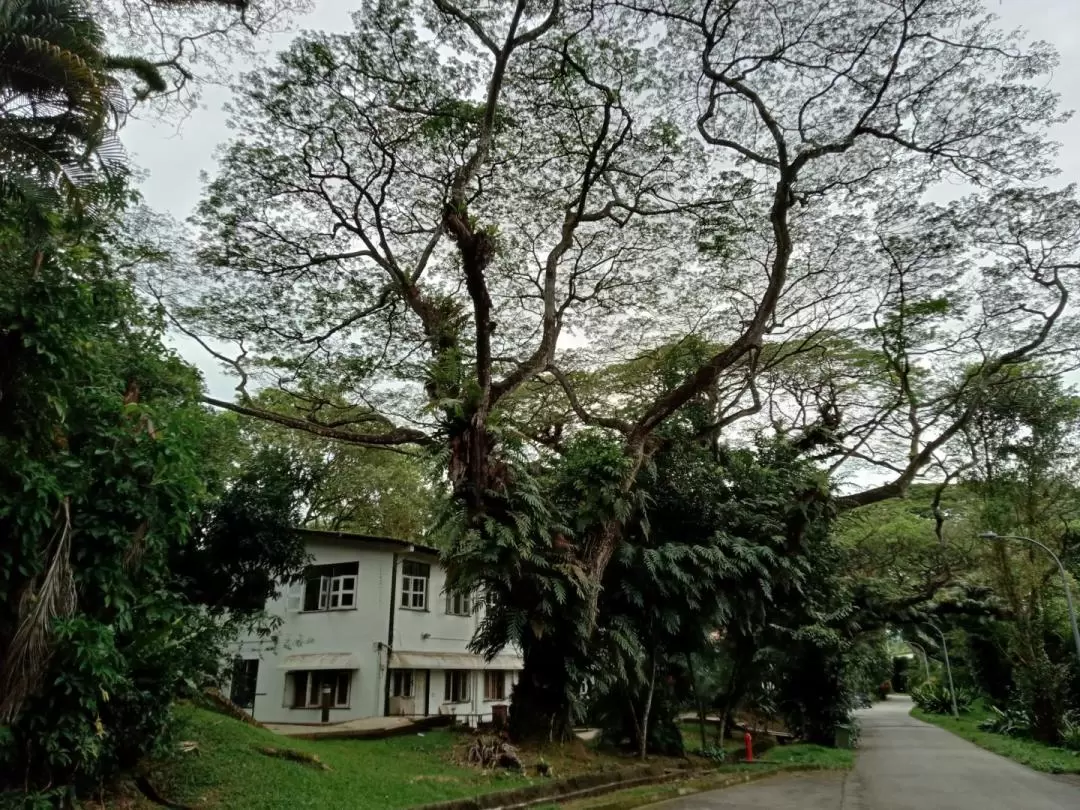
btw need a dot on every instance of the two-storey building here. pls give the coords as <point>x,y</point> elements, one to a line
<point>373,622</point>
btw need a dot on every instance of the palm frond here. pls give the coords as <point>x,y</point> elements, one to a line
<point>29,651</point>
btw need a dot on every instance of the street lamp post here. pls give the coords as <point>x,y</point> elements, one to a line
<point>925,657</point>
<point>1064,579</point>
<point>948,670</point>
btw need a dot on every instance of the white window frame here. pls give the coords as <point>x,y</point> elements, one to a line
<point>459,604</point>
<point>414,588</point>
<point>341,587</point>
<point>329,589</point>
<point>493,673</point>
<point>403,683</point>
<point>452,695</point>
<point>313,693</point>
<point>294,597</point>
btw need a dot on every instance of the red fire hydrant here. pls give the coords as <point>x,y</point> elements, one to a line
<point>749,747</point>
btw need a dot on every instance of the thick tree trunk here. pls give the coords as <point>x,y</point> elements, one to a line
<point>648,710</point>
<point>540,707</point>
<point>697,700</point>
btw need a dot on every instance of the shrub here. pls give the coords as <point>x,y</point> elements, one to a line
<point>715,753</point>
<point>1013,721</point>
<point>934,697</point>
<point>1070,733</point>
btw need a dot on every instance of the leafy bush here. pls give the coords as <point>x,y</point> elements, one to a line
<point>713,752</point>
<point>934,697</point>
<point>1070,733</point>
<point>1013,721</point>
<point>109,457</point>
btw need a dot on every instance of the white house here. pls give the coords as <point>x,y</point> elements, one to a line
<point>372,622</point>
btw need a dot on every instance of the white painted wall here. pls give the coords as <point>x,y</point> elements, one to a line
<point>363,632</point>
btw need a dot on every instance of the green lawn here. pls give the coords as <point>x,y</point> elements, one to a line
<point>228,771</point>
<point>1027,752</point>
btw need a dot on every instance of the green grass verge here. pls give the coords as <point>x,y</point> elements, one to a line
<point>805,755</point>
<point>1027,752</point>
<point>229,772</point>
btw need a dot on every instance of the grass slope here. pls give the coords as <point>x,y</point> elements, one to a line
<point>1027,752</point>
<point>229,772</point>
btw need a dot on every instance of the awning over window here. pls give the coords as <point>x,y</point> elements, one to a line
<point>433,660</point>
<point>321,661</point>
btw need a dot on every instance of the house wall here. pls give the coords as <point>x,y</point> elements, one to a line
<point>476,707</point>
<point>363,632</point>
<point>432,630</point>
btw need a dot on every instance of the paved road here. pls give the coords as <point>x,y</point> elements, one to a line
<point>903,764</point>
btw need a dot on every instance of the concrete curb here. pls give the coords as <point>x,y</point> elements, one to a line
<point>720,782</point>
<point>587,785</point>
<point>575,787</point>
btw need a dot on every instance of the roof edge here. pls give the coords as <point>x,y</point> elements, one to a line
<point>367,539</point>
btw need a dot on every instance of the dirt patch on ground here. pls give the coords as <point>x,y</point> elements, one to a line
<point>570,758</point>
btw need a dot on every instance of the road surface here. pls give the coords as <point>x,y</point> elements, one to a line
<point>903,764</point>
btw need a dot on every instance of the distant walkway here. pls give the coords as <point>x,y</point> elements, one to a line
<point>903,764</point>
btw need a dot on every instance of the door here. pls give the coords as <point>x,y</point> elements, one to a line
<point>244,677</point>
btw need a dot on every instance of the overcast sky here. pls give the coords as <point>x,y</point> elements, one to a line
<point>174,159</point>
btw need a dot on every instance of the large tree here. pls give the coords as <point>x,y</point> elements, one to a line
<point>191,43</point>
<point>427,225</point>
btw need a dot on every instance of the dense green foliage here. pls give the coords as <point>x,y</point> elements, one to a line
<point>130,548</point>
<point>935,697</point>
<point>243,550</point>
<point>395,242</point>
<point>102,433</point>
<point>346,487</point>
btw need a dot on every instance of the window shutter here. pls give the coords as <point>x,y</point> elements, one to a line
<point>343,688</point>
<point>294,597</point>
<point>300,684</point>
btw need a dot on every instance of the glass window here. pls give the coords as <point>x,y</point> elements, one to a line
<point>459,604</point>
<point>294,597</point>
<point>343,591</point>
<point>245,674</point>
<point>495,685</point>
<point>456,688</point>
<point>308,688</point>
<point>414,584</point>
<point>331,587</point>
<point>401,683</point>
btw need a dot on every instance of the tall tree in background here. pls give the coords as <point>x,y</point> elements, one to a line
<point>243,549</point>
<point>192,43</point>
<point>634,173</point>
<point>1024,445</point>
<point>345,487</point>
